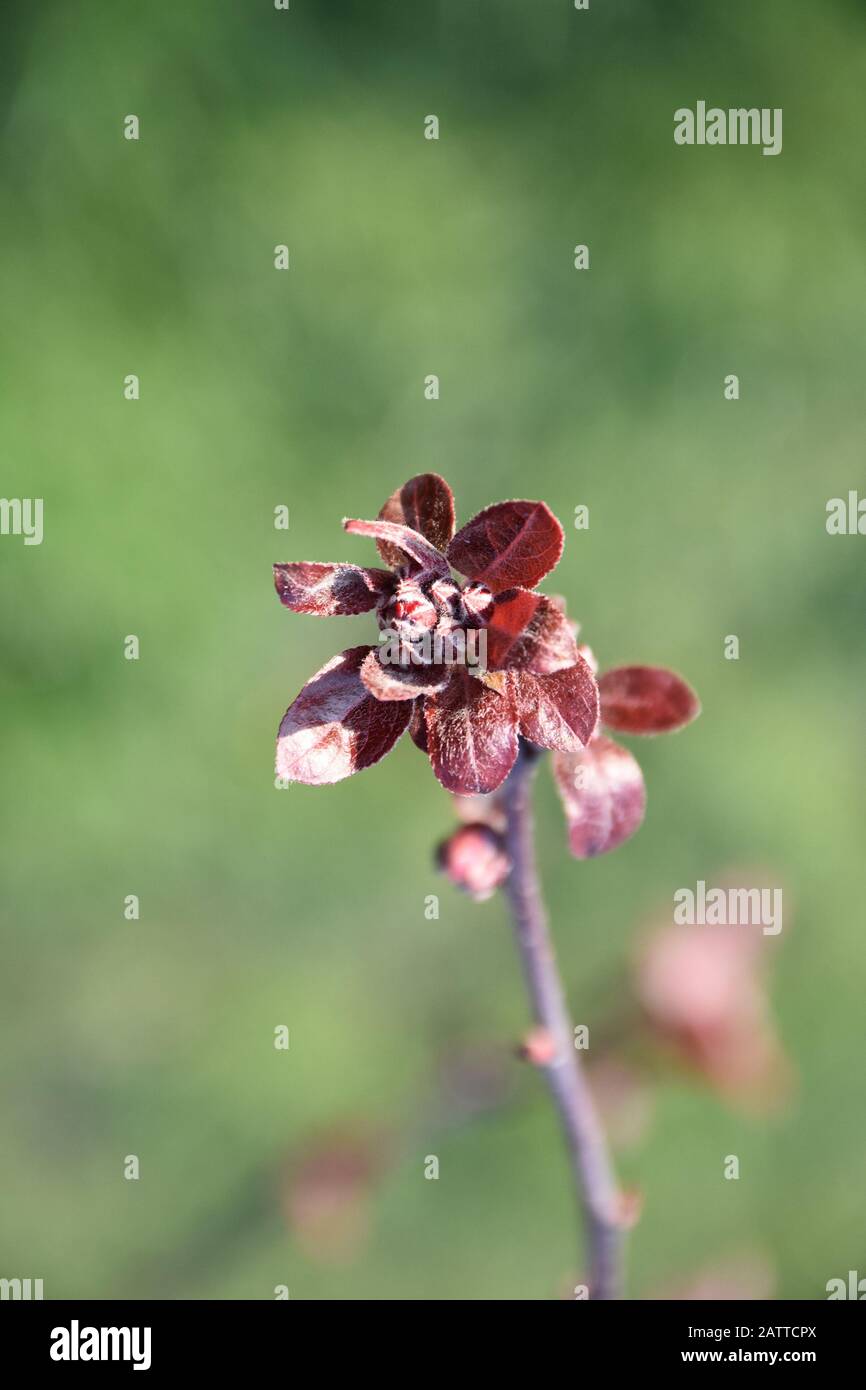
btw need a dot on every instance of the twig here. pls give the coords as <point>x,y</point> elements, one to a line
<point>595,1184</point>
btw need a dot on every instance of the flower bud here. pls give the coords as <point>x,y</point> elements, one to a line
<point>475,860</point>
<point>538,1047</point>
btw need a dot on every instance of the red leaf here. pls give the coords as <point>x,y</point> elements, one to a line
<point>603,793</point>
<point>328,590</point>
<point>394,682</point>
<point>411,543</point>
<point>528,632</point>
<point>646,700</point>
<point>471,734</point>
<point>335,726</point>
<point>418,726</point>
<point>559,711</point>
<point>508,545</point>
<point>425,504</point>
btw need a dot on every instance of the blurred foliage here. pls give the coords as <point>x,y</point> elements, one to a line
<point>306,907</point>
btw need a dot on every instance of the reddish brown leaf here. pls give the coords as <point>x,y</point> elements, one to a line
<point>646,700</point>
<point>418,726</point>
<point>603,793</point>
<point>413,545</point>
<point>335,726</point>
<point>508,545</point>
<point>559,711</point>
<point>471,734</point>
<point>528,632</point>
<point>425,504</point>
<point>394,682</point>
<point>329,590</point>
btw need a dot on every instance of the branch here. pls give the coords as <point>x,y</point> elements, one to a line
<point>594,1181</point>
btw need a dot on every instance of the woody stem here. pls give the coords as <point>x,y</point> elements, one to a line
<point>595,1185</point>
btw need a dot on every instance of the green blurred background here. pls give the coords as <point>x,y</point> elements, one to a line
<point>305,907</point>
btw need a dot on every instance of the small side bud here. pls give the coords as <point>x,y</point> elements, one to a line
<point>628,1208</point>
<point>538,1047</point>
<point>474,859</point>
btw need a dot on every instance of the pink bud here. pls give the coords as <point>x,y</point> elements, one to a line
<point>538,1047</point>
<point>474,859</point>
